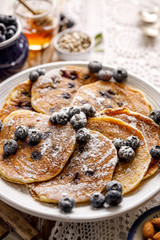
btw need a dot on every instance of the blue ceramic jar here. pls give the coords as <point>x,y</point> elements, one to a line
<point>13,53</point>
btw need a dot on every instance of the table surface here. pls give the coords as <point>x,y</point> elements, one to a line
<point>124,45</point>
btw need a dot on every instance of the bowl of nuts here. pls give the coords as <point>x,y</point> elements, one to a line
<point>147,226</point>
<point>73,45</point>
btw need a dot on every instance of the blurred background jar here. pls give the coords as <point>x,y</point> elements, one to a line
<point>40,21</point>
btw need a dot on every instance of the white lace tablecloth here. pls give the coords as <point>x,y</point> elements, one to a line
<point>125,46</point>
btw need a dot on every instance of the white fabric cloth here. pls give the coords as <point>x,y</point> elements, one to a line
<point>127,47</point>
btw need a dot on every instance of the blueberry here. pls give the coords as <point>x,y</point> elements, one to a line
<point>97,200</point>
<point>155,115</point>
<point>118,142</point>
<point>133,142</point>
<point>66,204</point>
<point>114,185</point>
<point>65,109</point>
<point>21,132</point>
<point>2,28</point>
<point>2,18</point>
<point>2,38</point>
<point>9,33</point>
<point>10,146</point>
<point>33,76</point>
<point>79,120</point>
<point>73,111</point>
<point>10,20</point>
<point>95,66</point>
<point>83,135</point>
<point>53,118</point>
<point>126,153</point>
<point>0,125</point>
<point>70,23</point>
<point>12,27</point>
<point>155,151</point>
<point>120,74</point>
<point>34,136</point>
<point>113,197</point>
<point>104,75</point>
<point>41,71</point>
<point>88,110</point>
<point>62,117</point>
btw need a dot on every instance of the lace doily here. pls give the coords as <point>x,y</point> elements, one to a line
<point>125,46</point>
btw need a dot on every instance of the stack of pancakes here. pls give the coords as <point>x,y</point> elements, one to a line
<point>58,165</point>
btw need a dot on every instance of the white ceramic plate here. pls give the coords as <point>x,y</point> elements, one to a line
<point>18,196</point>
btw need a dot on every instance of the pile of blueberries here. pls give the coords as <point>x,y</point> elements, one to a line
<point>119,75</point>
<point>21,132</point>
<point>8,27</point>
<point>65,23</point>
<point>126,149</point>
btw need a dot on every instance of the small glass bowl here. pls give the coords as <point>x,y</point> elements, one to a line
<point>70,56</point>
<point>13,53</point>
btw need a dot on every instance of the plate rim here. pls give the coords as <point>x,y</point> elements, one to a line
<point>70,217</point>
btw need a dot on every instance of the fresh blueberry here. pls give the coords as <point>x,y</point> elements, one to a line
<point>113,197</point>
<point>0,125</point>
<point>97,200</point>
<point>10,146</point>
<point>12,27</point>
<point>155,151</point>
<point>33,76</point>
<point>10,20</point>
<point>133,142</point>
<point>41,71</point>
<point>34,136</point>
<point>66,204</point>
<point>70,23</point>
<point>53,118</point>
<point>2,28</point>
<point>83,135</point>
<point>9,33</point>
<point>95,66</point>
<point>2,38</point>
<point>88,110</point>
<point>120,74</point>
<point>126,153</point>
<point>118,142</point>
<point>104,75</point>
<point>114,185</point>
<point>155,115</point>
<point>79,120</point>
<point>21,132</point>
<point>73,111</point>
<point>66,109</point>
<point>2,18</point>
<point>62,117</point>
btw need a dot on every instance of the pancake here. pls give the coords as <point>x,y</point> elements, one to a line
<point>104,95</point>
<point>57,88</point>
<point>89,169</point>
<point>32,163</point>
<point>129,174</point>
<point>19,98</point>
<point>149,129</point>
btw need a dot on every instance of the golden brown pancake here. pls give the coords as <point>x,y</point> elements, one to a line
<point>19,98</point>
<point>57,88</point>
<point>149,129</point>
<point>33,163</point>
<point>129,174</point>
<point>104,95</point>
<point>89,169</point>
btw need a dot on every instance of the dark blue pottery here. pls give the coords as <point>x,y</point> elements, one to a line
<point>13,54</point>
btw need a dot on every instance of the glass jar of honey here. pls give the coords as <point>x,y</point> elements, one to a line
<point>40,26</point>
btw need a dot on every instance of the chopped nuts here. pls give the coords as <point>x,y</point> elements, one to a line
<point>74,42</point>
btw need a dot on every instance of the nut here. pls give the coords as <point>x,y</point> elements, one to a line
<point>156,222</point>
<point>156,236</point>
<point>148,230</point>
